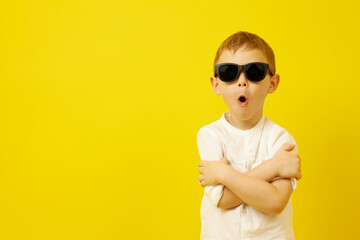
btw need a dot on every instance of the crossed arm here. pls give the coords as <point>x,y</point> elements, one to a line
<point>264,171</point>
<point>253,187</point>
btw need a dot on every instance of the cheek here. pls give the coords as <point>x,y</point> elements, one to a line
<point>260,93</point>
<point>231,95</point>
<point>262,88</point>
<point>227,92</point>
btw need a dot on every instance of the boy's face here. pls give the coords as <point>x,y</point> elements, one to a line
<point>255,92</point>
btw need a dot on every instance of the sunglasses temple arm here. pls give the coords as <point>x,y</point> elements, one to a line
<point>272,73</point>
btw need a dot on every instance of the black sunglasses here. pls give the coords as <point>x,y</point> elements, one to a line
<point>254,71</point>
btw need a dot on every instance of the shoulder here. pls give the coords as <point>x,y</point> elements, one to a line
<point>213,129</point>
<point>209,142</point>
<point>277,136</point>
<point>276,132</point>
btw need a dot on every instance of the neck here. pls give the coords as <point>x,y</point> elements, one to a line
<point>244,124</point>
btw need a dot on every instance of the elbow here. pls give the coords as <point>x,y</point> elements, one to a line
<point>224,205</point>
<point>221,205</point>
<point>278,208</point>
<point>273,207</point>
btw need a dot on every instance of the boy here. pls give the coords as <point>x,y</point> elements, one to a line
<point>247,191</point>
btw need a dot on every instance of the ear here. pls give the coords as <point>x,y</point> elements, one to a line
<point>215,85</point>
<point>274,83</point>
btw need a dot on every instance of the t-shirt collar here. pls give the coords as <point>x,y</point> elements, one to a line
<point>233,129</point>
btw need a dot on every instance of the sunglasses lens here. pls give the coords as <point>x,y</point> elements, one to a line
<point>255,72</point>
<point>228,73</point>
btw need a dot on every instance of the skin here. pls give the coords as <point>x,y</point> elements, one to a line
<point>285,164</point>
<point>252,187</point>
<point>244,117</point>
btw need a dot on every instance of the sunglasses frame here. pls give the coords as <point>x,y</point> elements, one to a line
<point>241,68</point>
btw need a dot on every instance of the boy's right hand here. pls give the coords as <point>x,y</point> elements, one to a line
<point>287,163</point>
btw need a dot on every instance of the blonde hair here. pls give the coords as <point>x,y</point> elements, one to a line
<point>249,41</point>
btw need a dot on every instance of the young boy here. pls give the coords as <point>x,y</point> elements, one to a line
<point>249,163</point>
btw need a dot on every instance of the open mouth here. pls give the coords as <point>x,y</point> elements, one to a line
<point>242,99</point>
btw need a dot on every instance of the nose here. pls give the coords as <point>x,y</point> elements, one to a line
<point>242,81</point>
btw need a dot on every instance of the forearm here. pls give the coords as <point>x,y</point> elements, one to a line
<point>255,192</point>
<point>264,171</point>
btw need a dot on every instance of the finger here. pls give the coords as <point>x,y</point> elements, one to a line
<point>287,147</point>
<point>201,163</point>
<point>201,169</point>
<point>299,176</point>
<point>202,184</point>
<point>224,160</point>
<point>200,178</point>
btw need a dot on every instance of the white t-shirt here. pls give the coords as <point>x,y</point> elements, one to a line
<point>245,149</point>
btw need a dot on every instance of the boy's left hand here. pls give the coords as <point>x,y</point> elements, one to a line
<point>211,171</point>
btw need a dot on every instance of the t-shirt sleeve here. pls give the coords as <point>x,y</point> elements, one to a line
<point>210,149</point>
<point>282,138</point>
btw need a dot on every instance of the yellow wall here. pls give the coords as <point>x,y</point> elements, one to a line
<point>101,101</point>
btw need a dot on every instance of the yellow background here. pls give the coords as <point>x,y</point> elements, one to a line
<point>101,102</point>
